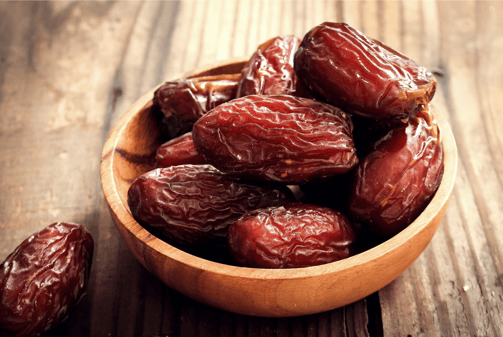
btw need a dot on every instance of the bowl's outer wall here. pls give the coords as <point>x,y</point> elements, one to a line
<point>259,292</point>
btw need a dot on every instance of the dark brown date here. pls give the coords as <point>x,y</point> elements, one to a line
<point>194,204</point>
<point>340,65</point>
<point>277,138</point>
<point>184,101</point>
<point>395,181</point>
<point>178,151</point>
<point>44,279</point>
<point>270,69</point>
<point>291,236</point>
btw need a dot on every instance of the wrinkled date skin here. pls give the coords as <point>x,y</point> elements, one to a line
<point>178,151</point>
<point>184,101</point>
<point>195,204</point>
<point>270,69</point>
<point>291,236</point>
<point>395,181</point>
<point>340,65</point>
<point>277,138</point>
<point>44,279</point>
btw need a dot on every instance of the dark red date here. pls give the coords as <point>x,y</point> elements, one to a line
<point>277,138</point>
<point>44,279</point>
<point>178,151</point>
<point>395,181</point>
<point>291,236</point>
<point>270,69</point>
<point>195,204</point>
<point>184,101</point>
<point>340,65</point>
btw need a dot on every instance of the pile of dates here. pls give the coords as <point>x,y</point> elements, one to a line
<point>315,145</point>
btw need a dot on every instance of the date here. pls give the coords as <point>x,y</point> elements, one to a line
<point>393,183</point>
<point>363,76</point>
<point>44,279</point>
<point>194,205</point>
<point>278,138</point>
<point>291,236</point>
<point>270,69</point>
<point>184,101</point>
<point>178,151</point>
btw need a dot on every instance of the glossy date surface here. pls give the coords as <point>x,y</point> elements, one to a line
<point>195,204</point>
<point>340,65</point>
<point>291,236</point>
<point>277,138</point>
<point>178,151</point>
<point>270,69</point>
<point>395,181</point>
<point>44,279</point>
<point>184,101</point>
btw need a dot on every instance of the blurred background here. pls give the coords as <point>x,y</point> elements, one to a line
<point>70,69</point>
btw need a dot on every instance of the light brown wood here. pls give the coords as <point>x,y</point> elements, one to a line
<point>249,291</point>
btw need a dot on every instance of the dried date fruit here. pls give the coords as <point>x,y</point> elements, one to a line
<point>270,69</point>
<point>363,76</point>
<point>44,279</point>
<point>184,101</point>
<point>194,204</point>
<point>291,236</point>
<point>277,138</point>
<point>178,151</point>
<point>393,184</point>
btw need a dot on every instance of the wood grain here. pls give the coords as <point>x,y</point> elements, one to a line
<point>69,70</point>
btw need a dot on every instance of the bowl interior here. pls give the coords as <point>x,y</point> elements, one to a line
<point>129,152</point>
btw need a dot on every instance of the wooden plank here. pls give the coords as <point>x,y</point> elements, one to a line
<point>352,13</point>
<point>390,31</point>
<point>369,18</point>
<point>69,70</point>
<point>63,78</point>
<point>44,107</point>
<point>465,82</point>
<point>453,288</point>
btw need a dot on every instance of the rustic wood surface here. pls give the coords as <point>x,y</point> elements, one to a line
<point>69,70</point>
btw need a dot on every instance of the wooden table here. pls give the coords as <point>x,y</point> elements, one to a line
<point>69,70</point>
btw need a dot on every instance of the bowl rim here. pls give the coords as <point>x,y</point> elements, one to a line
<point>121,212</point>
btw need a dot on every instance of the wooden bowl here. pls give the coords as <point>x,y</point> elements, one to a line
<point>259,292</point>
